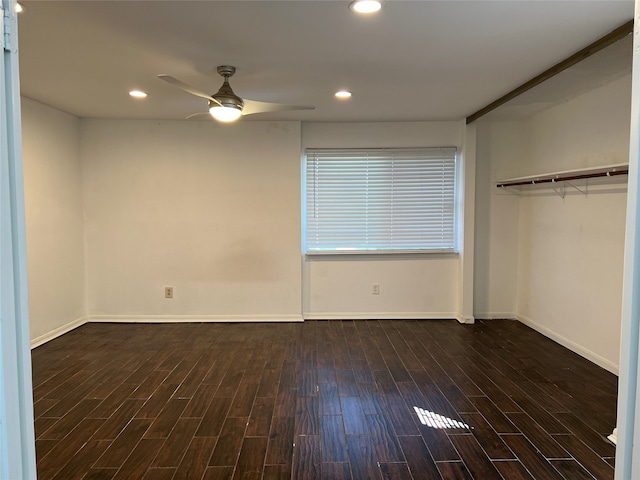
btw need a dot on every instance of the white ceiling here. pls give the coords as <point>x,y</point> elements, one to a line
<point>413,61</point>
<point>606,65</point>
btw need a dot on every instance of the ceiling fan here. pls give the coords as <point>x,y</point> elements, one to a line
<point>225,105</point>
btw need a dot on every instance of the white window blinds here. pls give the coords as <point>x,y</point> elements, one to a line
<point>380,200</point>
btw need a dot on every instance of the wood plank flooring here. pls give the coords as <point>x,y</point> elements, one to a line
<point>319,400</point>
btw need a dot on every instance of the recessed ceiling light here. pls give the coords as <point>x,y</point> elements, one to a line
<point>19,8</point>
<point>365,6</point>
<point>138,93</point>
<point>343,94</point>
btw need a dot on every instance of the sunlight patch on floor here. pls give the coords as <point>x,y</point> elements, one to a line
<point>434,420</point>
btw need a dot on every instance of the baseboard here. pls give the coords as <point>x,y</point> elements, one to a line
<point>495,315</point>
<point>47,337</point>
<point>613,438</point>
<point>380,316</point>
<point>579,349</point>
<point>193,318</point>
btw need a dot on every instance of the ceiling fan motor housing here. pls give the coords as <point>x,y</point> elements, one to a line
<point>225,95</point>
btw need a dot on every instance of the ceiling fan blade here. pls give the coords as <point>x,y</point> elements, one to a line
<point>180,84</point>
<point>252,106</point>
<point>199,116</point>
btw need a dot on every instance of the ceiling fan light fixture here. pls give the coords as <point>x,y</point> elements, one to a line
<point>365,6</point>
<point>225,113</point>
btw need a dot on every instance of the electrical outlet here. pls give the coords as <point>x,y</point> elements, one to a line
<point>375,289</point>
<point>168,292</point>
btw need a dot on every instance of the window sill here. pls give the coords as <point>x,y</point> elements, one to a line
<point>387,253</point>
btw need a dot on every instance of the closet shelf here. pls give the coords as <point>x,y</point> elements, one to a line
<point>566,176</point>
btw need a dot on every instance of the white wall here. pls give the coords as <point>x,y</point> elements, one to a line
<point>212,210</point>
<point>496,239</point>
<point>562,257</point>
<point>416,286</point>
<point>588,131</point>
<point>570,261</point>
<point>53,201</point>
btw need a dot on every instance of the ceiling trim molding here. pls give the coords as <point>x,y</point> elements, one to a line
<point>603,42</point>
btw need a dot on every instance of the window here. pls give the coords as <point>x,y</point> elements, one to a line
<point>379,200</point>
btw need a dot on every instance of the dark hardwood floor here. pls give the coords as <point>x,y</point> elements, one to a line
<point>326,400</point>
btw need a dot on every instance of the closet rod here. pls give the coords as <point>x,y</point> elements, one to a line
<point>564,178</point>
